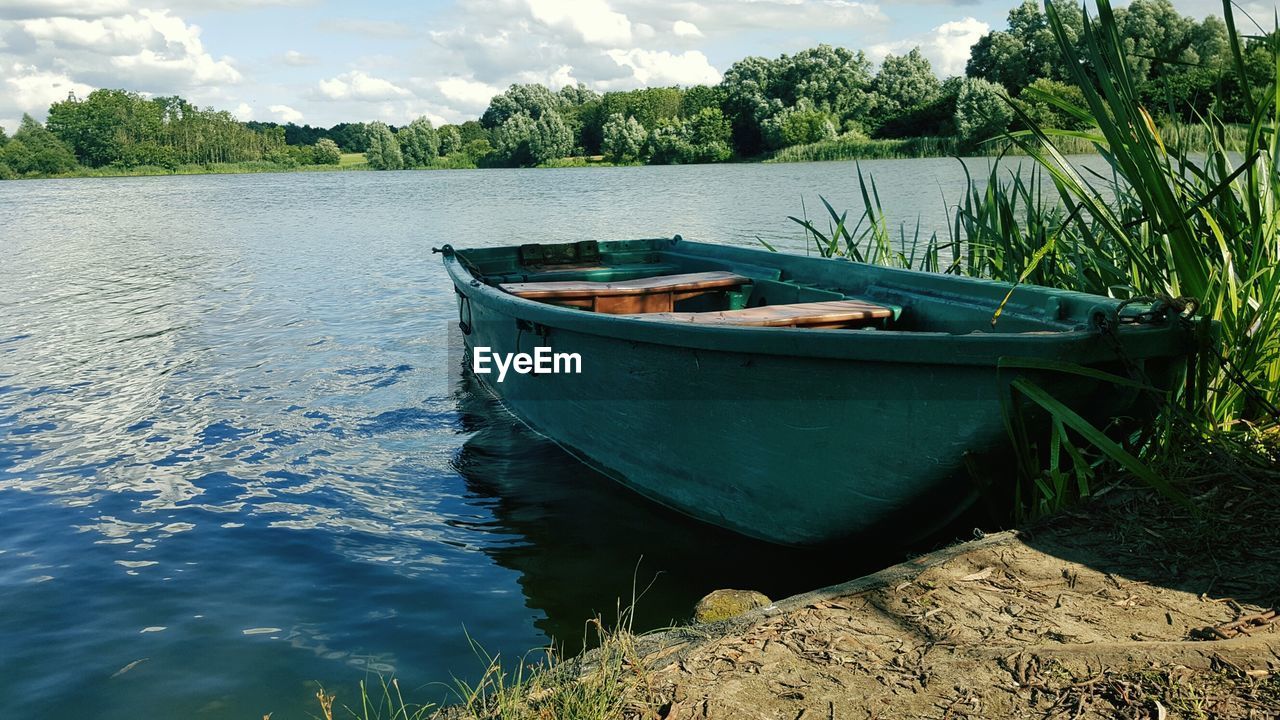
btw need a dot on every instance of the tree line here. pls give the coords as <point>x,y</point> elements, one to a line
<point>124,129</point>
<point>762,105</point>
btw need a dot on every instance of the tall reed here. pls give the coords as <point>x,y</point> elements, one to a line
<point>1192,213</point>
<point>1184,218</point>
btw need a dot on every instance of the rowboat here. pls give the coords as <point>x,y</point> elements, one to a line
<point>794,399</point>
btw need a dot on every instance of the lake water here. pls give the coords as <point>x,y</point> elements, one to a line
<point>235,459</point>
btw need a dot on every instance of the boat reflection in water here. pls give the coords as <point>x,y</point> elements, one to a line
<point>581,542</point>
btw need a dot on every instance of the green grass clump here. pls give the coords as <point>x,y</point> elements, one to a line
<point>856,146</point>
<point>1178,218</point>
<point>352,160</point>
<point>577,161</point>
<point>385,702</point>
<point>609,683</point>
<point>1188,214</point>
<point>454,161</point>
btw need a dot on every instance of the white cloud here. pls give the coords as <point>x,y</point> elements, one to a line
<point>144,50</point>
<point>592,21</point>
<point>555,78</point>
<point>685,29</point>
<point>366,27</point>
<point>720,17</point>
<point>27,89</point>
<point>665,68</point>
<point>207,5</point>
<point>243,112</point>
<point>180,59</point>
<point>357,85</point>
<point>946,46</point>
<point>23,9</point>
<point>286,113</point>
<point>297,59</point>
<point>108,35</point>
<point>468,94</point>
<point>396,68</point>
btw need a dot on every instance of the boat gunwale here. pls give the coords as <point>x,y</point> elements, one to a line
<point>1084,345</point>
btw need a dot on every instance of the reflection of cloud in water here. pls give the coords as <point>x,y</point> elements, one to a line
<point>113,528</point>
<point>317,643</point>
<point>281,476</point>
<point>166,383</point>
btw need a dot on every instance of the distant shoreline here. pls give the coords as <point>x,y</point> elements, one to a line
<point>826,151</point>
<point>847,148</point>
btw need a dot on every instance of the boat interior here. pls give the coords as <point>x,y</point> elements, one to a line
<point>646,280</point>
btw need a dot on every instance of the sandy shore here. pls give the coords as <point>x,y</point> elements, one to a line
<point>1128,607</point>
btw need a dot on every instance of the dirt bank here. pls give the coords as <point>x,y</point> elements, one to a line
<point>1129,607</point>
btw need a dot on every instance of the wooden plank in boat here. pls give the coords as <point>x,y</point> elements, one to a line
<point>567,289</point>
<point>828,314</point>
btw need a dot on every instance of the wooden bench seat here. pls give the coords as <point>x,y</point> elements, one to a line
<point>829,314</point>
<point>656,294</point>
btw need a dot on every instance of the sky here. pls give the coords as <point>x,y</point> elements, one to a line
<point>323,62</point>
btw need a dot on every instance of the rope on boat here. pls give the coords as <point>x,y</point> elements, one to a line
<point>1159,310</point>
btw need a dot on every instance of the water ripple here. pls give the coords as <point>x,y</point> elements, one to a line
<point>233,460</point>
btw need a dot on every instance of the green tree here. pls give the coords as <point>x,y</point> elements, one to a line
<point>834,80</point>
<point>383,151</point>
<point>472,130</point>
<point>1179,62</point>
<point>648,106</point>
<point>419,143</point>
<point>578,105</point>
<point>450,139</point>
<point>746,87</point>
<point>981,110</point>
<point>669,143</point>
<point>624,139</point>
<point>36,151</point>
<point>100,127</point>
<point>905,82</point>
<point>1043,112</point>
<point>698,97</point>
<point>522,141</point>
<point>3,137</point>
<point>351,137</point>
<point>511,140</point>
<point>1192,86</point>
<point>1154,33</point>
<point>1026,50</point>
<point>575,95</point>
<point>208,136</point>
<point>934,118</point>
<point>478,151</point>
<point>326,152</point>
<point>531,99</point>
<point>797,126</point>
<point>552,139</point>
<point>290,156</point>
<point>1260,69</point>
<point>703,138</point>
<point>710,134</point>
<point>149,153</point>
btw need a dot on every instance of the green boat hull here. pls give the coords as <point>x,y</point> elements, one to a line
<point>799,436</point>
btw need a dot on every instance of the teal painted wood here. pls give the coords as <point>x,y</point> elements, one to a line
<point>798,436</point>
